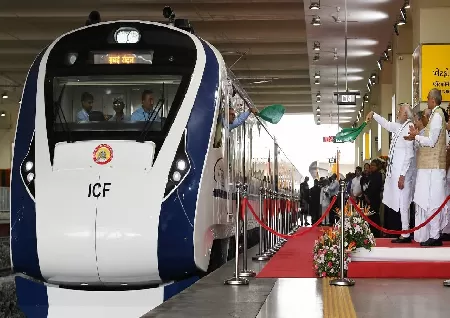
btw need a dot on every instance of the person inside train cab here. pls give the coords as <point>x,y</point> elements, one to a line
<point>119,106</point>
<point>234,121</point>
<point>87,101</point>
<point>146,111</point>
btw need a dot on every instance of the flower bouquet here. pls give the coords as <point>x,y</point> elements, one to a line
<point>357,233</point>
<point>326,255</point>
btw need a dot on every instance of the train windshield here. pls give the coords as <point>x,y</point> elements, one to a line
<point>97,104</point>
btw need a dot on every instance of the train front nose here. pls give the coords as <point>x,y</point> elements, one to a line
<point>127,229</point>
<point>104,216</point>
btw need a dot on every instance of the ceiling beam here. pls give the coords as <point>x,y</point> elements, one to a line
<point>151,11</point>
<point>221,31</point>
<point>243,75</point>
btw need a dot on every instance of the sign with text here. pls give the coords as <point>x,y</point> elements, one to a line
<point>329,139</point>
<point>346,98</point>
<point>435,70</point>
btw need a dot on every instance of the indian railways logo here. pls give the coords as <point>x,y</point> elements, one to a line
<point>102,154</point>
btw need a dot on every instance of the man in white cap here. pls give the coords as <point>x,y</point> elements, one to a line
<point>430,191</point>
<point>399,180</point>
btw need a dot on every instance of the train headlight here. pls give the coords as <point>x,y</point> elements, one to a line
<point>127,35</point>
<point>176,176</point>
<point>27,171</point>
<point>30,177</point>
<point>181,165</point>
<point>180,168</point>
<point>28,166</point>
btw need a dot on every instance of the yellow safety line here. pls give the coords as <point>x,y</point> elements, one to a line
<point>337,302</point>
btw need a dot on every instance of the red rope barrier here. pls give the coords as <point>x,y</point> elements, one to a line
<point>286,236</point>
<point>365,217</point>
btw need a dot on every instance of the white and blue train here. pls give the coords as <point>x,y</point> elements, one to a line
<point>111,218</point>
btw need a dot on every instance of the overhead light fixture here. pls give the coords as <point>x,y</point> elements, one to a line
<point>396,29</point>
<point>318,110</point>
<point>318,100</point>
<point>389,47</point>
<point>261,82</point>
<point>318,95</point>
<point>403,14</point>
<point>401,22</point>
<point>317,75</point>
<point>385,55</point>
<point>317,81</point>
<point>316,57</point>
<point>370,82</point>
<point>406,5</point>
<point>315,21</point>
<point>379,64</point>
<point>2,114</point>
<point>373,76</point>
<point>5,95</point>
<point>368,87</point>
<point>366,98</point>
<point>316,46</point>
<point>318,121</point>
<point>314,5</point>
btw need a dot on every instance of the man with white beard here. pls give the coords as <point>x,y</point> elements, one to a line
<point>430,191</point>
<point>399,180</point>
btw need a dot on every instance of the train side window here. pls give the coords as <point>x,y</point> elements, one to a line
<point>220,129</point>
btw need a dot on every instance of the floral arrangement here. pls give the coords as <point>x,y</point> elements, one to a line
<point>326,257</point>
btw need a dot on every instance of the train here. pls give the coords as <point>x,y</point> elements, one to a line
<point>122,214</point>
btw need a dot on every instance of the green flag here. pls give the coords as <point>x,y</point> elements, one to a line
<point>272,113</point>
<point>350,134</point>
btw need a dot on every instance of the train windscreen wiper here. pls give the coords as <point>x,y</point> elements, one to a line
<point>151,119</point>
<point>59,113</point>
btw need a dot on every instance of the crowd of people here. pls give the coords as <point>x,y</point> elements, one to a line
<point>406,190</point>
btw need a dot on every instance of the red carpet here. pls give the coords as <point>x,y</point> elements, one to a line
<point>294,259</point>
<point>399,269</point>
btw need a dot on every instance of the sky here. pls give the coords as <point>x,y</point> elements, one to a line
<point>302,141</point>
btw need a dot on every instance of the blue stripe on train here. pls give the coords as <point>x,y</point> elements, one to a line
<point>177,287</point>
<point>23,209</point>
<point>32,298</point>
<point>175,237</point>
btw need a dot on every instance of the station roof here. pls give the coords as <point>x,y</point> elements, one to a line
<point>267,43</point>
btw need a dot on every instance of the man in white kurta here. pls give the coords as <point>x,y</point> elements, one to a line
<point>399,180</point>
<point>430,190</point>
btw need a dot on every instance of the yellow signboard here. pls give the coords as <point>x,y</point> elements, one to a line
<point>435,70</point>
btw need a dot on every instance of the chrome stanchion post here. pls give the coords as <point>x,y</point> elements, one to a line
<point>290,215</point>
<point>342,281</point>
<point>236,280</point>
<point>245,271</point>
<point>277,221</point>
<point>261,256</point>
<point>271,251</point>
<point>284,218</point>
<point>287,214</point>
<point>297,213</point>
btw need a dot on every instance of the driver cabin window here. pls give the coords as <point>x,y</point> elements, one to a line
<point>94,99</point>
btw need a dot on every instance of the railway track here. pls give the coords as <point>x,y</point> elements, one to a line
<point>5,271</point>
